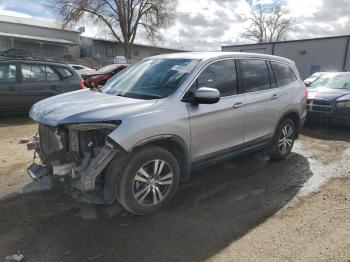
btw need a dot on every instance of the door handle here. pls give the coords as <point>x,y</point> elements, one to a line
<point>237,105</point>
<point>274,96</point>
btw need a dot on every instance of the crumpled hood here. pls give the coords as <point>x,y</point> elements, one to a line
<point>327,93</point>
<point>84,106</point>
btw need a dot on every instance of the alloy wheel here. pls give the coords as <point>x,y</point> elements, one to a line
<point>286,139</point>
<point>152,182</point>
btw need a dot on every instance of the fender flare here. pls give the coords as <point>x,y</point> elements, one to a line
<point>284,116</point>
<point>185,165</point>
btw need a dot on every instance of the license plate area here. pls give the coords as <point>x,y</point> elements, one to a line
<point>36,172</point>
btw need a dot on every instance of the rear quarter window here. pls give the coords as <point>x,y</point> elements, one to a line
<point>64,72</point>
<point>284,74</point>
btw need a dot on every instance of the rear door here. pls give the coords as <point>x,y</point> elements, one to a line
<point>288,87</point>
<point>217,128</point>
<point>263,110</point>
<point>9,88</point>
<point>69,79</point>
<point>37,83</point>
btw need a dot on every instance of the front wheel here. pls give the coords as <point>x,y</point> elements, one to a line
<point>149,180</point>
<point>283,140</point>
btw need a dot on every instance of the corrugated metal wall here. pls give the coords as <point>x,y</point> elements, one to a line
<point>310,55</point>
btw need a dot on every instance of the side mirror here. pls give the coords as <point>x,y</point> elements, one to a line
<point>206,95</point>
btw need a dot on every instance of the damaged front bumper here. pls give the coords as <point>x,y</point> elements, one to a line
<point>78,153</point>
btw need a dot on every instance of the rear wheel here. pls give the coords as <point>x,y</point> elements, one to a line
<point>149,180</point>
<point>283,140</point>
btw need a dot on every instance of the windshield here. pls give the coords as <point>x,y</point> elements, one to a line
<point>106,69</point>
<point>333,81</point>
<point>313,77</point>
<point>149,79</point>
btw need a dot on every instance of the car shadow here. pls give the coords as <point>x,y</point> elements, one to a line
<point>15,120</point>
<point>221,204</point>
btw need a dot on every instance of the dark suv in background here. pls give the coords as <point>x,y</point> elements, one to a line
<point>23,82</point>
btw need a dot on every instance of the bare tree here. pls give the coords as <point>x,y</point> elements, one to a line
<point>123,18</point>
<point>268,24</point>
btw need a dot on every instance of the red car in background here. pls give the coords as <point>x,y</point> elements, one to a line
<point>100,77</point>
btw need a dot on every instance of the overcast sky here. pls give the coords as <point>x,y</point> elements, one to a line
<point>209,24</point>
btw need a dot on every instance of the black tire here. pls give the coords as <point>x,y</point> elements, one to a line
<point>129,181</point>
<point>277,151</point>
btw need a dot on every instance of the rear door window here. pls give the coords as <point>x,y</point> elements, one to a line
<point>64,72</point>
<point>284,74</point>
<point>8,73</point>
<point>51,75</point>
<point>220,75</point>
<point>33,73</point>
<point>255,74</point>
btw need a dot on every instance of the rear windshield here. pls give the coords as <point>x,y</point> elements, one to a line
<point>150,79</point>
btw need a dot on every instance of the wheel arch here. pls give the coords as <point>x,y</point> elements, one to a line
<point>172,143</point>
<point>176,146</point>
<point>295,117</point>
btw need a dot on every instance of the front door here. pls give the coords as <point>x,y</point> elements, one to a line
<point>217,128</point>
<point>9,94</point>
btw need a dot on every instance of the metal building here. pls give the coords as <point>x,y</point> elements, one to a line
<point>104,48</point>
<point>42,38</point>
<point>311,55</point>
<point>50,40</point>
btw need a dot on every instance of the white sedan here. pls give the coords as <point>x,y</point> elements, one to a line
<point>83,70</point>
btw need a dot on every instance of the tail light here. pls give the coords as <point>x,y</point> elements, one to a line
<point>306,93</point>
<point>82,86</point>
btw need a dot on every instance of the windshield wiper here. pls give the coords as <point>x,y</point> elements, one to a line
<point>140,96</point>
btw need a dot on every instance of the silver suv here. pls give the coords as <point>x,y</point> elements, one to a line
<point>154,122</point>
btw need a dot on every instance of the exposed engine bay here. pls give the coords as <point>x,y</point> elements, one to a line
<point>77,152</point>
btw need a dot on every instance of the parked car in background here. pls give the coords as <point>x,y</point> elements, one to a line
<point>83,70</point>
<point>100,77</point>
<point>308,81</point>
<point>329,98</point>
<point>150,125</point>
<point>24,82</point>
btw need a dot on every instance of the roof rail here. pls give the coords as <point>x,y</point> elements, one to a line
<point>29,58</point>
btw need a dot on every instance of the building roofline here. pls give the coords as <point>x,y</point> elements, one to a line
<point>35,22</point>
<point>289,41</point>
<point>38,38</point>
<point>135,44</point>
